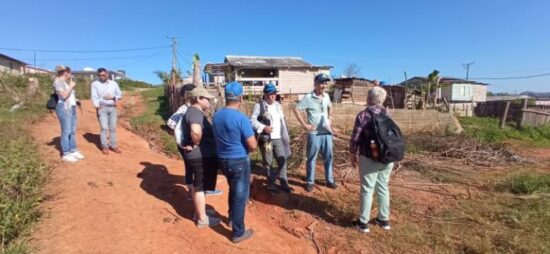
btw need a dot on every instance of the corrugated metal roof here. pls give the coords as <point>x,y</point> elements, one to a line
<point>442,81</point>
<point>267,62</point>
<point>13,59</point>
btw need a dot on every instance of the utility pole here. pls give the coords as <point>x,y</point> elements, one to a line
<point>467,66</point>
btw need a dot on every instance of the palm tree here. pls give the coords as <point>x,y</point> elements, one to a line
<point>197,81</point>
<point>433,85</point>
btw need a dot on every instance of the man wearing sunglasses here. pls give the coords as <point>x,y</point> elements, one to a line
<point>105,95</point>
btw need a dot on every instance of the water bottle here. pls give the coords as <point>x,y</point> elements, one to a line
<point>374,150</point>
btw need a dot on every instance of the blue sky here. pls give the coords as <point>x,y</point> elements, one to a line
<point>505,38</point>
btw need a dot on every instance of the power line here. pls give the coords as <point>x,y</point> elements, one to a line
<point>158,53</point>
<point>86,51</point>
<point>517,77</point>
<point>88,59</point>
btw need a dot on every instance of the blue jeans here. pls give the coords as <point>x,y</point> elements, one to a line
<point>67,120</point>
<point>107,121</point>
<point>319,143</point>
<point>237,172</point>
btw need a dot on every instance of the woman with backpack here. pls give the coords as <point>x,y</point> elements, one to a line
<point>65,110</point>
<point>371,150</point>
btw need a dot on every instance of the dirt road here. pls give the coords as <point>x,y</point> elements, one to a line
<point>134,202</point>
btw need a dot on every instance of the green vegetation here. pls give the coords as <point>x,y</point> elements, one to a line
<point>150,124</point>
<point>22,174</point>
<point>493,222</point>
<point>130,85</point>
<point>527,183</point>
<point>487,130</point>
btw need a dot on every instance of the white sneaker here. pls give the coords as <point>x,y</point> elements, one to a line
<point>69,158</point>
<point>78,155</point>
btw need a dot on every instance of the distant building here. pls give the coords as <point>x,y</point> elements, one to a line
<point>351,90</point>
<point>289,74</point>
<point>35,70</point>
<point>453,89</point>
<point>91,74</point>
<point>542,102</point>
<point>12,65</point>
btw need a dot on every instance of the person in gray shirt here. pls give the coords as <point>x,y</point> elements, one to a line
<point>105,95</point>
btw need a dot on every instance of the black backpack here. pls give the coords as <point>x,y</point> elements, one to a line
<point>387,136</point>
<point>52,101</point>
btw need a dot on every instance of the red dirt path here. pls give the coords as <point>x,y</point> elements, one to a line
<point>134,202</point>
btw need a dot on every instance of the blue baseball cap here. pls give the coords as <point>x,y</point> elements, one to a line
<point>233,90</point>
<point>270,88</point>
<point>321,77</point>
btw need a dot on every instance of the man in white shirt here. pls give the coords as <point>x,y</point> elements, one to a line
<point>268,121</point>
<point>105,95</point>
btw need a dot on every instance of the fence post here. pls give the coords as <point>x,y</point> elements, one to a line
<point>521,118</point>
<point>503,117</point>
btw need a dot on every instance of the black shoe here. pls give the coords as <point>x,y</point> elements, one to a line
<point>272,187</point>
<point>362,227</point>
<point>247,234</point>
<point>384,224</point>
<point>309,187</point>
<point>332,185</point>
<point>285,187</point>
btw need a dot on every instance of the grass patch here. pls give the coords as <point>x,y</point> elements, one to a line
<point>22,174</point>
<point>151,124</point>
<point>487,130</point>
<point>527,183</point>
<point>490,223</point>
<point>131,85</point>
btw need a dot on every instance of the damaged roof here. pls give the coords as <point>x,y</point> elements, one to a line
<point>269,62</point>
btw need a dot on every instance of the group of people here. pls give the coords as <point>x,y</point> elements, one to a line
<point>225,144</point>
<point>105,94</point>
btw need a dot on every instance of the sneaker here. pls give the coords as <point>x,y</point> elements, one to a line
<point>209,212</point>
<point>362,227</point>
<point>69,158</point>
<point>384,224</point>
<point>105,150</point>
<point>209,222</point>
<point>309,187</point>
<point>213,192</point>
<point>332,185</point>
<point>247,234</point>
<point>78,155</point>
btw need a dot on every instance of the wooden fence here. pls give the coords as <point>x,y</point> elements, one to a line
<point>518,113</point>
<point>409,121</point>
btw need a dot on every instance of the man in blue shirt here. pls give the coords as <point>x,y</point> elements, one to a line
<point>318,107</point>
<point>105,95</point>
<point>234,140</point>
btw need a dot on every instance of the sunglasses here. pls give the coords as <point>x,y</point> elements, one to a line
<point>203,98</point>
